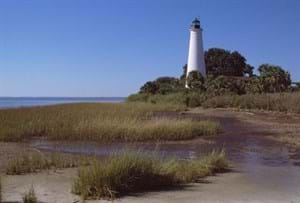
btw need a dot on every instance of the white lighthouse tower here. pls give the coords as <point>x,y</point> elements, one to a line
<point>196,54</point>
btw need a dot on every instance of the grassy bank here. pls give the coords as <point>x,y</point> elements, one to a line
<point>100,122</point>
<point>284,102</point>
<point>131,172</point>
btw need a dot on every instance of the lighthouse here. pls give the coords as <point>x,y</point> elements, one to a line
<point>196,54</point>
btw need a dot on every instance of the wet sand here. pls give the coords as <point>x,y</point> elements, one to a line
<point>264,170</point>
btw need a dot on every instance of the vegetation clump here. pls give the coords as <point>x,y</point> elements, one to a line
<point>30,196</point>
<point>223,62</point>
<point>135,172</point>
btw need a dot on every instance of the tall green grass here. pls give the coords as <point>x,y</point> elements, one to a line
<point>134,172</point>
<point>283,102</point>
<point>100,122</point>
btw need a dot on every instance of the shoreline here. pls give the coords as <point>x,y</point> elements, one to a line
<point>27,102</point>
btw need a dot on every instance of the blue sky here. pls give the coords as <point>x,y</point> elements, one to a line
<point>111,47</point>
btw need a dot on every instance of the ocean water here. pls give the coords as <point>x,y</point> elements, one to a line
<point>15,102</point>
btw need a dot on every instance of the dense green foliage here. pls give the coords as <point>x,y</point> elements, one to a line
<point>195,81</point>
<point>228,74</point>
<point>274,78</point>
<point>162,85</point>
<point>135,172</point>
<point>223,62</point>
<point>221,85</point>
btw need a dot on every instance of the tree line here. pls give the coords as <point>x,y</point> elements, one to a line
<point>227,73</point>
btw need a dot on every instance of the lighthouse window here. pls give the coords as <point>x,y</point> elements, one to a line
<point>197,26</point>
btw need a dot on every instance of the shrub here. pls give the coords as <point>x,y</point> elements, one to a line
<point>162,85</point>
<point>223,62</point>
<point>149,88</point>
<point>274,78</point>
<point>141,97</point>
<point>224,85</point>
<point>195,81</point>
<point>254,86</point>
<point>194,99</point>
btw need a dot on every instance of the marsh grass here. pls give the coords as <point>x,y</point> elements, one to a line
<point>283,102</point>
<point>99,122</point>
<point>31,163</point>
<point>186,171</point>
<point>129,172</point>
<point>188,99</point>
<point>30,196</point>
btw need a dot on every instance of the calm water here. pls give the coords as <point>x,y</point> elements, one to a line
<point>14,102</point>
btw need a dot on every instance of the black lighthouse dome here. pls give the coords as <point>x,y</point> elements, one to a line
<point>196,24</point>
